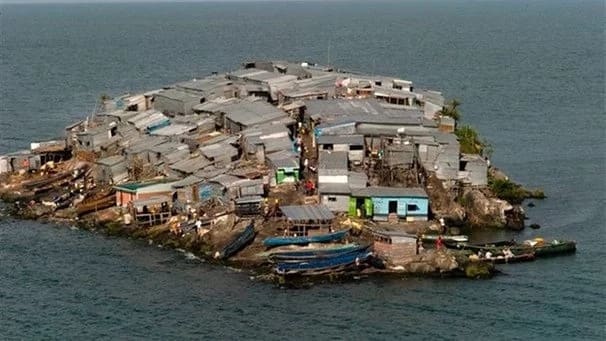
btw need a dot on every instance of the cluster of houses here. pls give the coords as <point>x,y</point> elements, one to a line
<point>233,137</point>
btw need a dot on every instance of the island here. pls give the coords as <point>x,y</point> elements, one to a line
<point>284,169</point>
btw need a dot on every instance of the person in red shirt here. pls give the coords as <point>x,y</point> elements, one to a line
<point>439,243</point>
<point>309,187</point>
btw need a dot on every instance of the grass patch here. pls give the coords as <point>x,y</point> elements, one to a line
<point>511,192</point>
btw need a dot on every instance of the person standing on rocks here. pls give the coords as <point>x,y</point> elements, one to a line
<point>439,243</point>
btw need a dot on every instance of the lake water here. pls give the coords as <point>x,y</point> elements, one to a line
<point>530,75</point>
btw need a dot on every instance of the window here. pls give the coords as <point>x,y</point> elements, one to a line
<point>356,147</point>
<point>412,207</point>
<point>333,199</point>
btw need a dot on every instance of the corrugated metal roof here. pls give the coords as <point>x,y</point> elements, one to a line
<point>179,95</point>
<point>191,165</point>
<point>357,180</point>
<point>226,180</point>
<point>205,85</point>
<point>142,115</point>
<point>332,109</point>
<point>210,172</point>
<point>307,212</point>
<point>332,160</point>
<point>134,187</point>
<point>215,151</point>
<point>415,192</point>
<point>244,73</point>
<point>173,129</point>
<point>186,182</point>
<point>252,113</point>
<point>334,188</point>
<point>352,140</point>
<point>111,160</point>
<point>283,159</point>
<point>168,147</point>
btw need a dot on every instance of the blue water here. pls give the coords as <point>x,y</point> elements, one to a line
<point>530,75</point>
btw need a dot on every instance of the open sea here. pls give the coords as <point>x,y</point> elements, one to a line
<point>530,75</point>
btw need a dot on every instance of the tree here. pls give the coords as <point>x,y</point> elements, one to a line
<point>451,109</point>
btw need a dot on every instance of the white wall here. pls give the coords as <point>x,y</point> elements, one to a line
<point>339,179</point>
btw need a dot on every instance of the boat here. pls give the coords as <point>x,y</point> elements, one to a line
<point>319,266</point>
<point>304,240</point>
<point>428,238</point>
<point>523,257</point>
<point>238,243</point>
<point>536,246</point>
<point>477,246</point>
<point>316,253</point>
<point>542,249</point>
<point>96,204</point>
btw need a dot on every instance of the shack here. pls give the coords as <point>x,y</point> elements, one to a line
<point>473,170</point>
<point>395,246</point>
<point>151,211</point>
<point>186,189</point>
<point>244,114</point>
<point>352,144</point>
<point>190,165</point>
<point>382,202</point>
<point>335,196</point>
<point>285,166</point>
<point>304,220</point>
<point>447,124</point>
<point>149,120</point>
<point>220,153</point>
<point>332,167</point>
<point>23,160</point>
<point>249,205</point>
<point>111,170</point>
<point>176,102</point>
<point>128,192</point>
<point>333,176</point>
<point>96,138</point>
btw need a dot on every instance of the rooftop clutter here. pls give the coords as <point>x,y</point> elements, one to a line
<point>344,138</point>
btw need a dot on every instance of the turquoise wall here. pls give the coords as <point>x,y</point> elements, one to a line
<point>381,206</point>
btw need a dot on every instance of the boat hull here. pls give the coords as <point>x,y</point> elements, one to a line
<point>324,265</point>
<point>238,243</point>
<point>304,240</point>
<point>545,250</point>
<point>295,256</point>
<point>525,257</point>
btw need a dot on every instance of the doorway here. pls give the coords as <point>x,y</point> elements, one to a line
<point>393,206</point>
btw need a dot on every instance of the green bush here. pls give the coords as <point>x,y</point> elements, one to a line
<point>470,141</point>
<point>512,192</point>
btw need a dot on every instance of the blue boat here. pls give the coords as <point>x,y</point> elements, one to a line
<point>301,255</point>
<point>238,243</point>
<point>318,266</point>
<point>304,240</point>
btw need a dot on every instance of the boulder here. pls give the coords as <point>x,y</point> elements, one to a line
<point>484,211</point>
